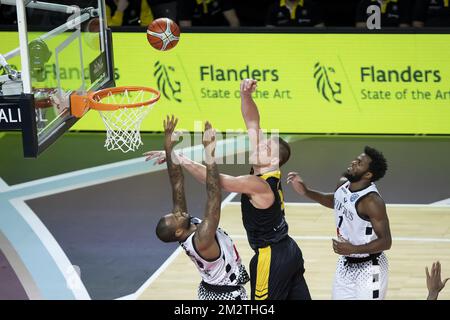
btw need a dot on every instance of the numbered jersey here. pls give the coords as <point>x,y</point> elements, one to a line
<point>227,270</point>
<point>350,226</point>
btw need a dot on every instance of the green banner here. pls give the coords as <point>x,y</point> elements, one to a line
<point>308,83</point>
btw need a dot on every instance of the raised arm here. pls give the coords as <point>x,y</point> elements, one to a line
<point>175,171</point>
<point>248,184</point>
<point>205,236</point>
<point>250,111</point>
<point>325,199</point>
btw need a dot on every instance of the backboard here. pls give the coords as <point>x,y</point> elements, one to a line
<point>60,47</point>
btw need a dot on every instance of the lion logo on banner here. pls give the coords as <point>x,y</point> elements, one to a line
<point>168,87</point>
<point>325,84</point>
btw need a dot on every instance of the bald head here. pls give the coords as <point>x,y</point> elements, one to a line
<point>165,230</point>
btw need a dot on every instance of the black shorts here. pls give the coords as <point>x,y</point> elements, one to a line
<point>276,272</point>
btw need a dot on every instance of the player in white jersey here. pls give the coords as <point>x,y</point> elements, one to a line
<point>363,231</point>
<point>209,247</point>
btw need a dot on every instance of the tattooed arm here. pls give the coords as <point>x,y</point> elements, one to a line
<point>175,171</point>
<point>205,236</point>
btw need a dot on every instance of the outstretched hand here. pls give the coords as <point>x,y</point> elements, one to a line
<point>248,86</point>
<point>171,137</point>
<point>209,135</point>
<point>209,140</point>
<point>434,282</point>
<point>296,182</point>
<point>159,155</point>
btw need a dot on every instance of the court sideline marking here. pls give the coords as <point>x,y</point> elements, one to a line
<point>3,185</point>
<point>20,220</point>
<point>445,202</point>
<point>438,204</point>
<point>413,239</point>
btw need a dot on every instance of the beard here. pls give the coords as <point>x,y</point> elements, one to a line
<point>353,177</point>
<point>187,223</point>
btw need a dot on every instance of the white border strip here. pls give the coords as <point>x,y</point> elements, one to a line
<point>445,202</point>
<point>3,185</point>
<point>75,173</point>
<point>435,240</point>
<point>72,278</point>
<point>169,260</point>
<point>137,161</point>
<point>19,268</point>
<point>395,205</point>
<point>87,184</point>
<point>61,260</point>
<point>154,276</point>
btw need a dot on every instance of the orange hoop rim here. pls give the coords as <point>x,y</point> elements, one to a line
<point>96,105</point>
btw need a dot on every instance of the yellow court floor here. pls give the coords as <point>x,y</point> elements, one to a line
<point>421,235</point>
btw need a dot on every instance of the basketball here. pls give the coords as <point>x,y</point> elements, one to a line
<point>163,34</point>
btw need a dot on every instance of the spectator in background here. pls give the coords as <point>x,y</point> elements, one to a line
<point>431,13</point>
<point>50,19</point>
<point>207,13</point>
<point>8,14</point>
<point>394,13</point>
<point>164,8</point>
<point>252,13</point>
<point>339,13</point>
<point>128,13</point>
<point>434,282</point>
<point>295,13</point>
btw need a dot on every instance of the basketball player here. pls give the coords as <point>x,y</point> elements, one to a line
<point>208,246</point>
<point>276,269</point>
<point>362,227</point>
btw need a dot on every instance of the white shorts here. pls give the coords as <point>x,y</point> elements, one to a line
<point>361,281</point>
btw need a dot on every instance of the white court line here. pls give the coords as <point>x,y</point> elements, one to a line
<point>3,185</point>
<point>168,261</point>
<point>445,202</point>
<point>395,205</point>
<point>75,173</point>
<point>89,183</point>
<point>244,237</point>
<point>90,178</point>
<point>137,161</point>
<point>154,276</point>
<point>76,285</point>
<point>414,239</point>
<point>88,171</point>
<point>21,271</point>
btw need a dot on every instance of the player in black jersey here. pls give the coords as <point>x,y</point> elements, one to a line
<point>276,269</point>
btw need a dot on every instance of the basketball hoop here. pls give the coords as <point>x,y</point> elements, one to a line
<point>122,110</point>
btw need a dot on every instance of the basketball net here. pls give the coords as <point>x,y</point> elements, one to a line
<point>123,124</point>
<point>122,110</point>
